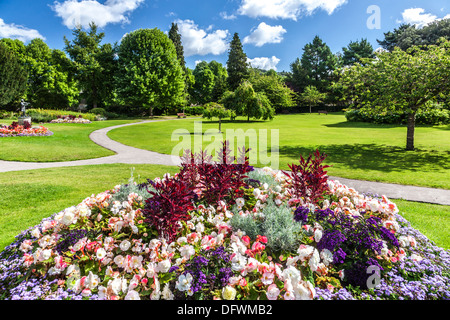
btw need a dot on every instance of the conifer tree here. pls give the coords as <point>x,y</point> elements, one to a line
<point>175,36</point>
<point>237,65</point>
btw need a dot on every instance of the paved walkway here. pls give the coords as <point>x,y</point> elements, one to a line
<point>130,155</point>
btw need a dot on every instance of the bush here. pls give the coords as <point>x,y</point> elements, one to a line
<point>193,110</point>
<point>428,116</point>
<point>47,115</point>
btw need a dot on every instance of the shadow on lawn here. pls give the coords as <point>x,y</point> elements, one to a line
<point>375,157</point>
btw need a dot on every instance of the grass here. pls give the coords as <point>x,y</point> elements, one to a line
<point>431,219</point>
<point>29,196</point>
<point>355,150</point>
<point>69,142</point>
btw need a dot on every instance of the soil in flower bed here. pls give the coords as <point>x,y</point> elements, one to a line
<point>227,231</point>
<point>26,130</point>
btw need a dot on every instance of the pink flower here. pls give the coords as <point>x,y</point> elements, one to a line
<point>267,278</point>
<point>272,292</point>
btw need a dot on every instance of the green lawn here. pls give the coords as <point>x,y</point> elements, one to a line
<point>68,142</point>
<point>355,150</point>
<point>29,196</point>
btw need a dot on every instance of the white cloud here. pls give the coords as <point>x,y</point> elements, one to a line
<point>21,33</point>
<point>418,17</point>
<point>226,16</point>
<point>265,34</point>
<point>264,63</point>
<point>74,12</point>
<point>197,41</point>
<point>286,9</point>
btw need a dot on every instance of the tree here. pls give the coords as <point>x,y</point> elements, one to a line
<point>220,80</point>
<point>356,50</point>
<point>408,35</point>
<point>400,81</point>
<point>237,65</point>
<point>92,61</point>
<point>202,89</point>
<point>251,104</point>
<point>272,85</point>
<point>216,110</point>
<point>50,80</point>
<point>312,96</point>
<point>149,72</point>
<point>13,77</point>
<point>175,36</point>
<point>318,64</point>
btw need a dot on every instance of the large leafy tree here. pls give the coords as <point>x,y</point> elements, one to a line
<point>50,80</point>
<point>400,81</point>
<point>202,90</point>
<point>407,35</point>
<point>94,63</point>
<point>13,77</point>
<point>237,65</point>
<point>273,86</point>
<point>244,101</point>
<point>149,72</point>
<point>356,50</point>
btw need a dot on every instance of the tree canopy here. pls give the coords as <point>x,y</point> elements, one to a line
<point>13,78</point>
<point>237,65</point>
<point>149,74</point>
<point>400,80</point>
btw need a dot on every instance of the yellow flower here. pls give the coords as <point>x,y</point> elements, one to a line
<point>229,293</point>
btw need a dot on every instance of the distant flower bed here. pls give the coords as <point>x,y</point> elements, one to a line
<point>70,119</point>
<point>226,231</point>
<point>16,130</point>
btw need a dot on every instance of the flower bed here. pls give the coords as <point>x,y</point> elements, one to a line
<point>70,119</point>
<point>16,130</point>
<point>258,234</point>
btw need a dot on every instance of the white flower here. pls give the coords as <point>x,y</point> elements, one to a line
<point>199,227</point>
<point>318,235</point>
<point>326,256</point>
<point>240,202</point>
<point>187,251</point>
<point>164,266</point>
<point>132,295</point>
<point>101,253</point>
<point>119,260</point>
<point>272,292</point>
<point>166,293</point>
<point>45,241</point>
<point>45,254</point>
<point>229,293</point>
<point>256,193</point>
<point>305,251</point>
<point>184,282</point>
<point>91,281</point>
<point>115,285</point>
<point>68,217</point>
<point>84,211</point>
<point>314,260</point>
<point>374,205</point>
<point>136,262</point>
<point>125,245</point>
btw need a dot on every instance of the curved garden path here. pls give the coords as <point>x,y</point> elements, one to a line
<point>130,155</point>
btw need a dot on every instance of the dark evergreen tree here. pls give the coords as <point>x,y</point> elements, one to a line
<point>356,50</point>
<point>237,65</point>
<point>175,36</point>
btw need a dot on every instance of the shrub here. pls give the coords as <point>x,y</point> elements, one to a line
<point>47,115</point>
<point>309,180</point>
<point>169,203</point>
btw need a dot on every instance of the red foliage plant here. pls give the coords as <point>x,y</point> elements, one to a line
<point>309,179</point>
<point>169,203</point>
<point>216,181</point>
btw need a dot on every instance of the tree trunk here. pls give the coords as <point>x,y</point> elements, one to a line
<point>410,132</point>
<point>310,109</point>
<point>220,125</point>
<point>151,112</point>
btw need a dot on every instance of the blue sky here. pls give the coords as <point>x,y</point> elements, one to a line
<point>273,32</point>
